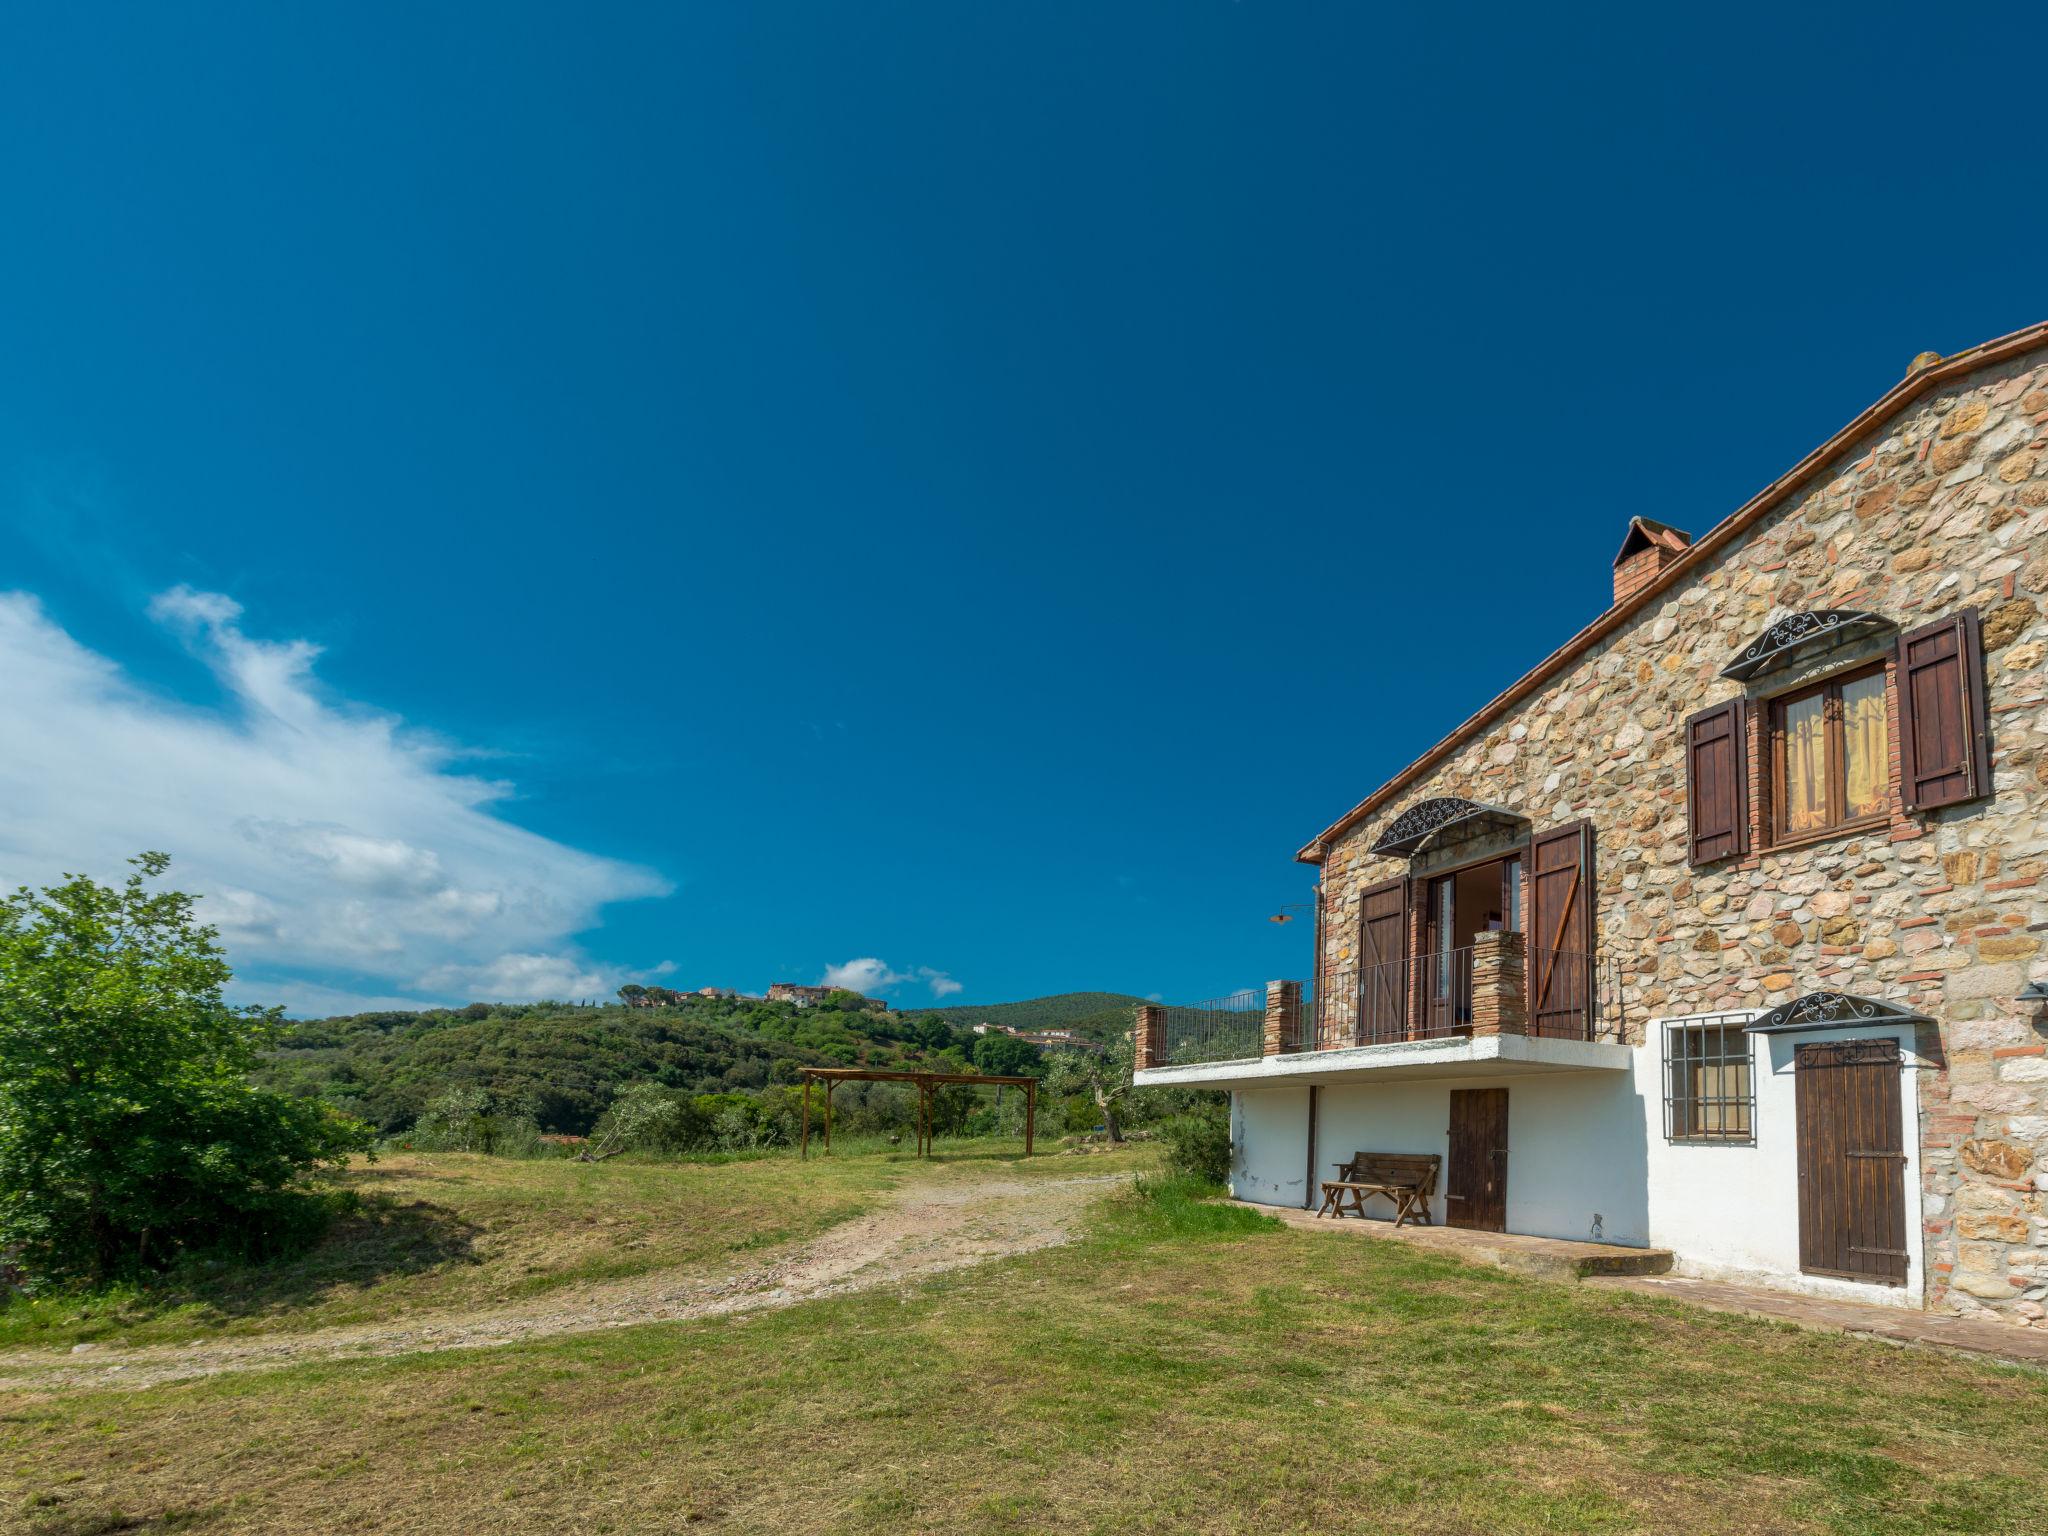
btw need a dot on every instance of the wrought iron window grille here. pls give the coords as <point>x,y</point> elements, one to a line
<point>1710,1081</point>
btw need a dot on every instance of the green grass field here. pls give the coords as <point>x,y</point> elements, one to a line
<point>1185,1367</point>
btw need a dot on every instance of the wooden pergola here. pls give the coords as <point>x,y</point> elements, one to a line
<point>832,1077</point>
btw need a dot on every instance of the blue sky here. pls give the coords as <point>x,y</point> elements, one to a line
<point>518,499</point>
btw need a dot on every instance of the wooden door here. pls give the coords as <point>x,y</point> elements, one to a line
<point>1560,952</point>
<point>1476,1185</point>
<point>1852,1161</point>
<point>1382,967</point>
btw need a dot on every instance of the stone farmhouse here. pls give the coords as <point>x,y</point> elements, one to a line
<point>1720,930</point>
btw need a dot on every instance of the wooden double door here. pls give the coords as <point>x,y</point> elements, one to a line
<point>1852,1160</point>
<point>1476,1173</point>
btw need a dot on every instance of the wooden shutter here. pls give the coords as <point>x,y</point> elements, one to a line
<point>1717,782</point>
<point>1944,736</point>
<point>1560,942</point>
<point>1382,949</point>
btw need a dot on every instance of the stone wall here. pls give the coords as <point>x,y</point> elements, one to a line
<point>1942,507</point>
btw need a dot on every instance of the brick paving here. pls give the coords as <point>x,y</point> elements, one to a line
<point>1898,1325</point>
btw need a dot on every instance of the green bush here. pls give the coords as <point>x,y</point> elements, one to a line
<point>129,1132</point>
<point>1198,1144</point>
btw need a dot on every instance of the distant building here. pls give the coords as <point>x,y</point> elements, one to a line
<point>803,996</point>
<point>1045,1039</point>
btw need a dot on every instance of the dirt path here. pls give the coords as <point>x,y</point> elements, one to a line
<point>919,1231</point>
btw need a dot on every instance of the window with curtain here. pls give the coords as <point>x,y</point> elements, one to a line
<point>1830,755</point>
<point>1709,1087</point>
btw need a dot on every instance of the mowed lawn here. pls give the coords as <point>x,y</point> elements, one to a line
<point>1184,1368</point>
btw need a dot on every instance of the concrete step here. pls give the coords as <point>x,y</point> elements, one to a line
<point>1552,1258</point>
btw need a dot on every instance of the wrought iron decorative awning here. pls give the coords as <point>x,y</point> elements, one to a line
<point>1425,818</point>
<point>1831,1010</point>
<point>1798,634</point>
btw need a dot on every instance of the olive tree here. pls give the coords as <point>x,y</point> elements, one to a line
<point>641,1112</point>
<point>1104,1076</point>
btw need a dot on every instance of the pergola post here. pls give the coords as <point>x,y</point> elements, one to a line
<point>927,1085</point>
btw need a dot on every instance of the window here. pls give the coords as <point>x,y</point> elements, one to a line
<point>1709,1094</point>
<point>1830,756</point>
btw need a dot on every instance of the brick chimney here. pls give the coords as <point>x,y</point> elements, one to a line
<point>1649,547</point>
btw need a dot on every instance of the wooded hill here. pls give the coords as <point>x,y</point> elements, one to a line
<point>1095,1015</point>
<point>567,1062</point>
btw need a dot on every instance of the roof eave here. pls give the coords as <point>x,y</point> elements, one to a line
<point>1681,567</point>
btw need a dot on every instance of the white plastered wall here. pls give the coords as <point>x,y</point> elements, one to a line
<point>1575,1146</point>
<point>1587,1159</point>
<point>1731,1212</point>
<point>1269,1145</point>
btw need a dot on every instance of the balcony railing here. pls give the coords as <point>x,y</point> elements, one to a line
<point>1495,986</point>
<point>1493,989</point>
<point>1229,1028</point>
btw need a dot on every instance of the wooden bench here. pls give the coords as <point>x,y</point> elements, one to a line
<point>1406,1178</point>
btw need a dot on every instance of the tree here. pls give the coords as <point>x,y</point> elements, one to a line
<point>641,1112</point>
<point>128,1129</point>
<point>476,1119</point>
<point>1005,1056</point>
<point>1105,1076</point>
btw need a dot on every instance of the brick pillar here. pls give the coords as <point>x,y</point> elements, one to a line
<point>1283,1017</point>
<point>1499,984</point>
<point>1150,1037</point>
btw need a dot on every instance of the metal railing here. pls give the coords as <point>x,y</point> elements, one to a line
<point>1230,1028</point>
<point>1565,995</point>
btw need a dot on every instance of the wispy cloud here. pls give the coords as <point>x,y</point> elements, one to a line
<point>870,975</point>
<point>341,856</point>
<point>941,984</point>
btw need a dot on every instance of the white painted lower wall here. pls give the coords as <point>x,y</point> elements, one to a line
<point>1575,1146</point>
<point>1587,1158</point>
<point>1269,1146</point>
<point>1732,1212</point>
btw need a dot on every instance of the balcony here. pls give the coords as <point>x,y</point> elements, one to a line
<point>1493,1007</point>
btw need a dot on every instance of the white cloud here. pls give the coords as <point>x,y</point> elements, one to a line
<point>519,978</point>
<point>342,858</point>
<point>941,984</point>
<point>869,975</point>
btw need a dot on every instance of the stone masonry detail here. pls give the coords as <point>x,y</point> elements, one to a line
<point>1942,506</point>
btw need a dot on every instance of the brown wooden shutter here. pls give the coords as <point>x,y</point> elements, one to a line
<point>1382,949</point>
<point>1560,941</point>
<point>1944,736</point>
<point>1717,782</point>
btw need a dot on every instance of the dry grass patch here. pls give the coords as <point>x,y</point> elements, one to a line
<point>444,1232</point>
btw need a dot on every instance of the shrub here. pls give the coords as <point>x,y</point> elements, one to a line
<point>1198,1144</point>
<point>129,1132</point>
